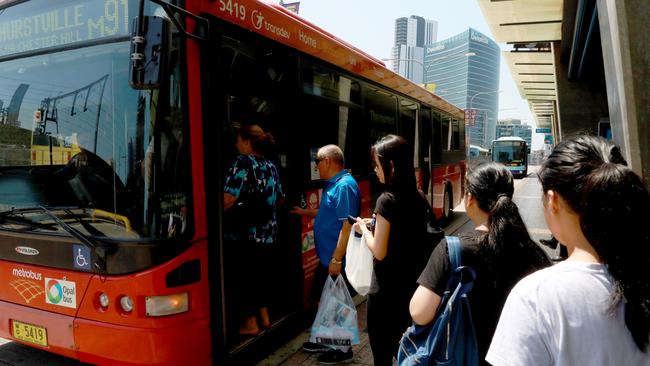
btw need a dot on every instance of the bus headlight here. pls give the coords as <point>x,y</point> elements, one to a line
<point>126,303</point>
<point>166,305</point>
<point>104,300</point>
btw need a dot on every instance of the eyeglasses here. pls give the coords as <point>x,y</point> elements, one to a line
<point>318,160</point>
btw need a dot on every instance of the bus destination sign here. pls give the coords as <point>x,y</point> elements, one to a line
<point>57,23</point>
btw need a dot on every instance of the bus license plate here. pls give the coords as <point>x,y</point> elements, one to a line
<point>29,333</point>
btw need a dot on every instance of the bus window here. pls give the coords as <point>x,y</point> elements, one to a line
<point>436,131</point>
<point>381,107</point>
<point>424,151</point>
<point>320,81</point>
<point>408,130</point>
<point>445,134</point>
<point>455,135</point>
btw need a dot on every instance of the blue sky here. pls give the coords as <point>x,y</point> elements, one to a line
<point>370,24</point>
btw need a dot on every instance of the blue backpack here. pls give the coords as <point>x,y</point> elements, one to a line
<point>450,338</point>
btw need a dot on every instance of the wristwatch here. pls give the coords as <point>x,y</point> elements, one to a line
<point>334,261</point>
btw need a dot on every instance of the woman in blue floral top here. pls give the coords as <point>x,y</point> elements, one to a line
<point>251,195</point>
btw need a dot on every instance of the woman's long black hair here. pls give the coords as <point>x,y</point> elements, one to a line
<point>592,176</point>
<point>507,243</point>
<point>396,158</point>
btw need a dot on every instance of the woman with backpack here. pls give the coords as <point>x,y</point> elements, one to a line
<point>594,307</point>
<point>399,245</point>
<point>499,250</point>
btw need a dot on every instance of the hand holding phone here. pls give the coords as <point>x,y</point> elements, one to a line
<point>352,220</point>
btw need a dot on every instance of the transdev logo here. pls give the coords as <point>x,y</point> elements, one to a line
<point>61,293</point>
<point>257,19</point>
<point>27,250</point>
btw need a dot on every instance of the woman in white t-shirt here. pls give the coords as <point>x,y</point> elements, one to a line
<point>593,308</point>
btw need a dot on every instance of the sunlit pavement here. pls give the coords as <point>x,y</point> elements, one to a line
<point>527,196</point>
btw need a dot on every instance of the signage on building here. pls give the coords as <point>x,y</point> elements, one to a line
<point>479,37</point>
<point>542,130</point>
<point>548,139</point>
<point>433,49</point>
<point>470,116</point>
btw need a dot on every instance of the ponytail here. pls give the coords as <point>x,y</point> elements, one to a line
<point>613,221</point>
<point>262,142</point>
<point>507,242</point>
<point>591,175</point>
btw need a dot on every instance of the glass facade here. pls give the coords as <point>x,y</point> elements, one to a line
<point>465,70</point>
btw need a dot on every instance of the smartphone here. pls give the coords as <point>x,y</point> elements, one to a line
<point>352,220</point>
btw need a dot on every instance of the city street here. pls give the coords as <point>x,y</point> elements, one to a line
<point>174,175</point>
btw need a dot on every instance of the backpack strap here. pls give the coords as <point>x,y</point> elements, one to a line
<point>453,247</point>
<point>466,275</point>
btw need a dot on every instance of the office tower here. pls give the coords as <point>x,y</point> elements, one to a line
<point>465,71</point>
<point>411,34</point>
<point>515,128</point>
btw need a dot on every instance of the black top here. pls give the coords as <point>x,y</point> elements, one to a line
<point>487,296</point>
<point>408,248</point>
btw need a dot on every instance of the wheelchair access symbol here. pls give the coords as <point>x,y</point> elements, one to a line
<point>81,255</point>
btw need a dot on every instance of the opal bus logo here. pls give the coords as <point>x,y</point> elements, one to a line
<point>54,292</point>
<point>60,293</point>
<point>27,251</point>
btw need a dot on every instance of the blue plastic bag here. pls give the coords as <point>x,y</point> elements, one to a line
<point>336,320</point>
<point>449,339</point>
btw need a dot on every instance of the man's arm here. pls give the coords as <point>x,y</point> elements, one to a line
<point>339,252</point>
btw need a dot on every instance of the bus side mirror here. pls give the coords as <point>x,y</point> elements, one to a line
<point>150,45</point>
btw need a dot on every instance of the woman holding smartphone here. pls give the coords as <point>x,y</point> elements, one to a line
<point>399,245</point>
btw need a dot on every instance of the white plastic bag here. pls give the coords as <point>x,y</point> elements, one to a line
<point>358,264</point>
<point>336,321</point>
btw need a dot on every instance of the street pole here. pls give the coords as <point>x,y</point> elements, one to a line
<point>471,101</point>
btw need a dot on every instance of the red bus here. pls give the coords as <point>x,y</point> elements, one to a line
<point>117,122</point>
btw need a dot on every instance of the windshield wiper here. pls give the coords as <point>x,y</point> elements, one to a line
<point>97,246</point>
<point>17,218</point>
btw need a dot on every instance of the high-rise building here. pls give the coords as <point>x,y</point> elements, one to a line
<point>506,128</point>
<point>411,34</point>
<point>465,70</point>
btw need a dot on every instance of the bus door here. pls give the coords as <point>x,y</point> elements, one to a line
<point>410,129</point>
<point>251,81</point>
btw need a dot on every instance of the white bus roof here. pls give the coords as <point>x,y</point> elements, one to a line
<point>510,138</point>
<point>477,148</point>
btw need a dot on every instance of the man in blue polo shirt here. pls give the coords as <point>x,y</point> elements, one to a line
<point>341,197</point>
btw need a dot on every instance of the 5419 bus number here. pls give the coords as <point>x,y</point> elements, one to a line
<point>233,8</point>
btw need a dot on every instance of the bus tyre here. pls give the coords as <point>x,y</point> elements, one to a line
<point>447,206</point>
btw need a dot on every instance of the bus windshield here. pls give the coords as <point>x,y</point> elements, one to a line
<point>75,138</point>
<point>509,152</point>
